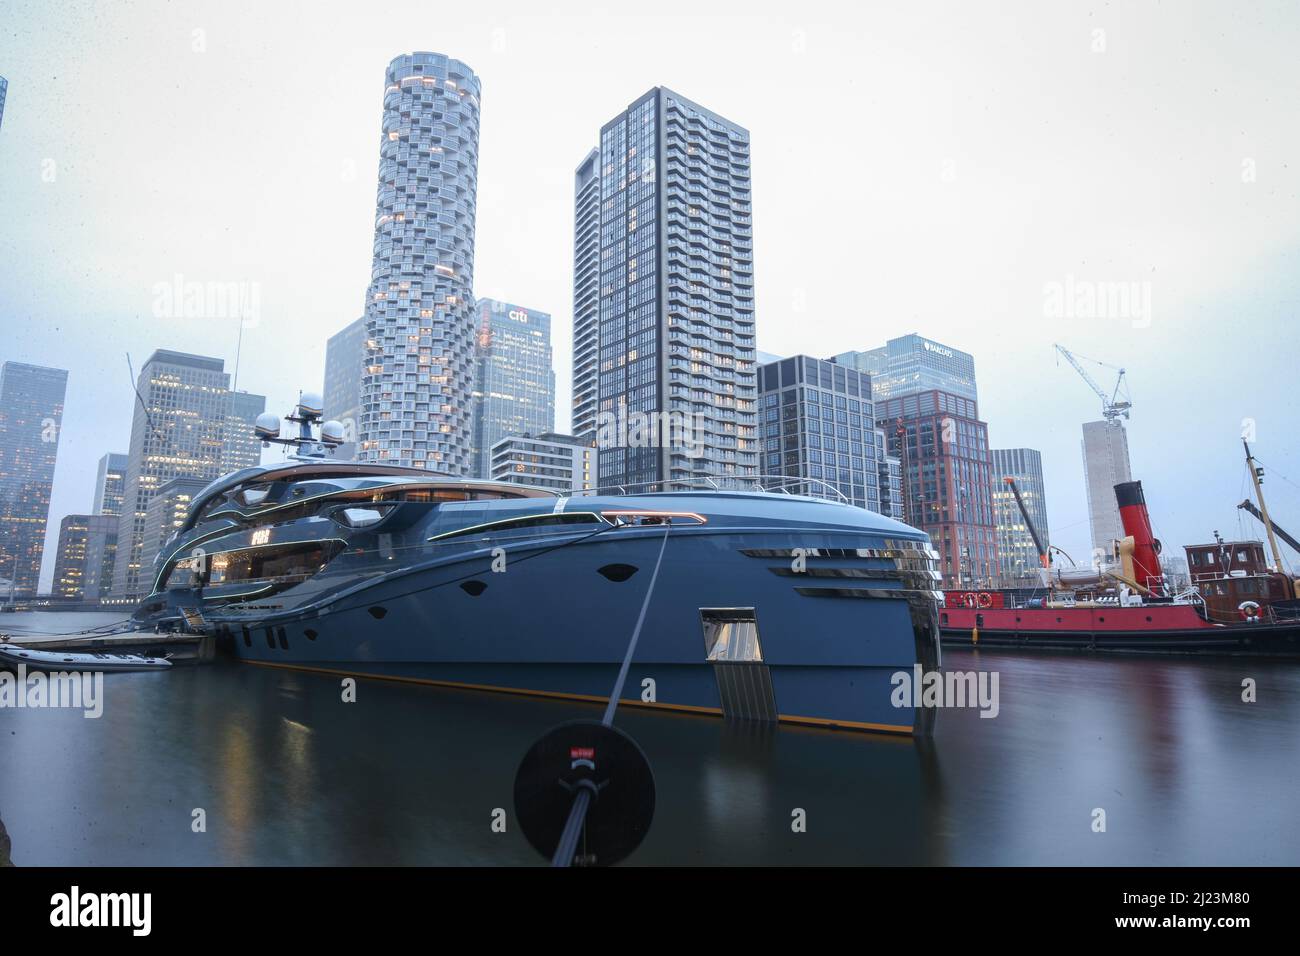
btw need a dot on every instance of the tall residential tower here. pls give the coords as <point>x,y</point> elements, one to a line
<point>586,296</point>
<point>675,302</point>
<point>416,394</point>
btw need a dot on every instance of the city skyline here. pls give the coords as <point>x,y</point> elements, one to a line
<point>995,308</point>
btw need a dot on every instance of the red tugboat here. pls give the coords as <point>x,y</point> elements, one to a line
<point>1236,604</point>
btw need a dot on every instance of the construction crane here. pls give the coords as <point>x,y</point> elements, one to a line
<point>1112,408</point>
<point>1248,506</point>
<point>1044,558</point>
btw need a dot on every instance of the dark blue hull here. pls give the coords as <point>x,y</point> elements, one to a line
<point>766,606</point>
<point>553,624</point>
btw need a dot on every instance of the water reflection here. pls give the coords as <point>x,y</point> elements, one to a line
<point>287,773</point>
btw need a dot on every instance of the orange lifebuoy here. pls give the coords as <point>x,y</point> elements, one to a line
<point>969,599</point>
<point>985,599</point>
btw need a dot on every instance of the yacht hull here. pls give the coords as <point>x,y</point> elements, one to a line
<point>556,622</point>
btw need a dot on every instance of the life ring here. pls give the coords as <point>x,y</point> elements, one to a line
<point>985,599</point>
<point>969,599</point>
<point>1249,610</point>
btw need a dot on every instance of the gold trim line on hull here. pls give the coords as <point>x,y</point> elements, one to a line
<point>588,698</point>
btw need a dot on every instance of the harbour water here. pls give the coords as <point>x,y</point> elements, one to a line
<point>285,772</point>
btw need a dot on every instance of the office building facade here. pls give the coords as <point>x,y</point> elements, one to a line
<point>675,310</point>
<point>110,484</point>
<point>817,423</point>
<point>345,363</point>
<point>557,462</point>
<point>178,429</point>
<point>164,515</point>
<point>889,473</point>
<point>947,480</point>
<point>416,393</point>
<point>241,448</point>
<point>514,388</point>
<point>1018,560</point>
<point>31,422</point>
<point>83,565</point>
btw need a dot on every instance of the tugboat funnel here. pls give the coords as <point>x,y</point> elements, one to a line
<point>1137,525</point>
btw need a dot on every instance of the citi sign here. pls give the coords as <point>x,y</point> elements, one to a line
<point>519,315</point>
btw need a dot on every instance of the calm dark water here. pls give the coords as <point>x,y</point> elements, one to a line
<point>287,773</point>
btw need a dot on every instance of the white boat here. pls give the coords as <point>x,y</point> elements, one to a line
<point>35,660</point>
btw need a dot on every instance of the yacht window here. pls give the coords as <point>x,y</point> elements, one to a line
<point>360,517</point>
<point>279,564</point>
<point>549,519</point>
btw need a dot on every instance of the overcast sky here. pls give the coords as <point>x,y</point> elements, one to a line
<point>916,167</point>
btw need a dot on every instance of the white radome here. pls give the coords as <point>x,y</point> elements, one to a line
<point>312,403</point>
<point>331,432</point>
<point>267,425</point>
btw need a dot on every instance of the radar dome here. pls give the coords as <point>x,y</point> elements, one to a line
<point>267,425</point>
<point>311,403</point>
<point>331,432</point>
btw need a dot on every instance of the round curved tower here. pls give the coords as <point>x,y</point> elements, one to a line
<point>416,391</point>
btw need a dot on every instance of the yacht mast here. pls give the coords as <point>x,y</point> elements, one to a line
<point>1257,476</point>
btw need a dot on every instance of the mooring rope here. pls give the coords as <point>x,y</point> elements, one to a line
<point>568,844</point>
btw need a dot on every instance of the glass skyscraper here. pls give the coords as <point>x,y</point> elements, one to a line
<point>183,419</point>
<point>31,420</point>
<point>345,361</point>
<point>1017,557</point>
<point>241,448</point>
<point>110,480</point>
<point>416,394</point>
<point>83,565</point>
<point>912,363</point>
<point>675,304</point>
<point>514,389</point>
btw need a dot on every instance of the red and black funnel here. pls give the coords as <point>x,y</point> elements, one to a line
<point>1137,525</point>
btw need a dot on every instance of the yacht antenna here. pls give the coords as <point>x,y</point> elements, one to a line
<point>307,415</point>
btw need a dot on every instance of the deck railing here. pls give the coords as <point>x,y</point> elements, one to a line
<point>770,484</point>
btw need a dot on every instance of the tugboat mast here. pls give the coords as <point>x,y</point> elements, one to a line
<point>1257,476</point>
